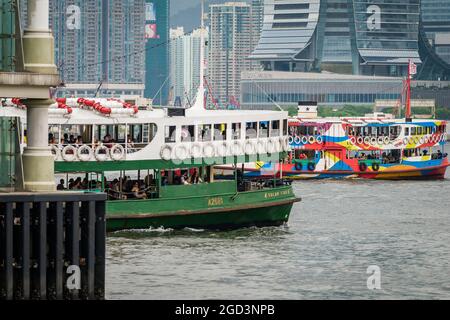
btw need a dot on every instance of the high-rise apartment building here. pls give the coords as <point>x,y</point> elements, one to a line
<point>184,64</point>
<point>232,39</point>
<point>99,45</point>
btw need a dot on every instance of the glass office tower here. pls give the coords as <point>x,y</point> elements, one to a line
<point>342,36</point>
<point>157,82</point>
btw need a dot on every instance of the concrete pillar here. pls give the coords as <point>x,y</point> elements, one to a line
<point>39,57</point>
<point>38,160</point>
<point>38,41</point>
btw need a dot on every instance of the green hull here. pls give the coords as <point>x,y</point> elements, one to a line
<point>271,207</point>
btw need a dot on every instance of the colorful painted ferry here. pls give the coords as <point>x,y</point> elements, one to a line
<point>373,147</point>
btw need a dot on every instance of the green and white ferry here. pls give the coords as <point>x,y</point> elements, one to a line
<point>158,165</point>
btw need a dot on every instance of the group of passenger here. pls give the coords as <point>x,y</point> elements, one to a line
<point>76,141</point>
<point>181,177</point>
<point>386,158</point>
<point>123,188</point>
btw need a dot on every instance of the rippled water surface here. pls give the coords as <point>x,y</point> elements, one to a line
<point>338,231</point>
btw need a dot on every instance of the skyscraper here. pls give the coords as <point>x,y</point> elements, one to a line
<point>231,42</point>
<point>436,23</point>
<point>98,45</point>
<point>342,36</point>
<point>157,82</point>
<point>184,64</point>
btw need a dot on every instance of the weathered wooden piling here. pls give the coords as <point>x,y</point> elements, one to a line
<point>47,242</point>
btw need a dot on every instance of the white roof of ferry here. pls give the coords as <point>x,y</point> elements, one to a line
<point>83,116</point>
<point>360,120</point>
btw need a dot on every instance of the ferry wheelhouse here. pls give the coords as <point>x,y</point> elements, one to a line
<point>158,165</point>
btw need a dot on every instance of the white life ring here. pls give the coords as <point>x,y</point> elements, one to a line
<point>271,146</point>
<point>380,141</point>
<point>181,152</point>
<point>367,140</point>
<point>434,139</point>
<point>426,140</point>
<point>405,141</point>
<point>353,140</point>
<point>291,139</point>
<point>421,140</point>
<point>277,145</point>
<point>166,153</point>
<point>222,150</point>
<point>196,151</point>
<point>319,139</point>
<point>298,140</point>
<point>416,140</point>
<point>117,152</point>
<point>373,141</point>
<point>360,140</point>
<point>209,150</point>
<point>56,152</point>
<point>387,141</point>
<point>101,156</point>
<point>304,140</point>
<point>261,147</point>
<point>237,148</point>
<point>312,140</point>
<point>69,157</point>
<point>250,148</point>
<point>85,156</point>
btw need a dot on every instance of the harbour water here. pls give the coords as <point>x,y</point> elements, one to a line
<point>338,231</point>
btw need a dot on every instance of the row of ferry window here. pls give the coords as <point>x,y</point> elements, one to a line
<point>224,131</point>
<point>413,131</point>
<point>85,134</point>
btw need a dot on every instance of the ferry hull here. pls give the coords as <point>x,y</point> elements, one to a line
<point>226,219</point>
<point>216,212</point>
<point>435,170</point>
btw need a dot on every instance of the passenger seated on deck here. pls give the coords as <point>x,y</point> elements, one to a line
<point>184,179</point>
<point>137,192</point>
<point>440,155</point>
<point>303,156</point>
<point>61,185</point>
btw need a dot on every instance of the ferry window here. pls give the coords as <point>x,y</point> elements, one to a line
<point>171,134</point>
<point>413,131</point>
<point>187,134</point>
<point>251,130</point>
<point>121,134</point>
<point>135,133</point>
<point>76,134</point>
<point>220,132</point>
<point>407,131</point>
<point>275,131</point>
<point>204,133</point>
<point>53,135</point>
<point>264,129</point>
<point>236,127</point>
<point>285,127</point>
<point>395,132</point>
